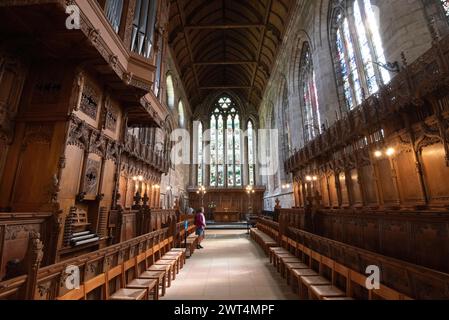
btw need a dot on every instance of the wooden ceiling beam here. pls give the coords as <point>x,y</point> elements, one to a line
<point>224,26</point>
<point>212,63</point>
<point>189,49</point>
<point>259,51</point>
<point>224,87</point>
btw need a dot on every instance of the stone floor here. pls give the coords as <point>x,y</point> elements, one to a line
<point>230,267</point>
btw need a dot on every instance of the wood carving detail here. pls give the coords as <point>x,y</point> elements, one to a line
<point>92,177</point>
<point>90,100</point>
<point>20,231</point>
<point>87,138</point>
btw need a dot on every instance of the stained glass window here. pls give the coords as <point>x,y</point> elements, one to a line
<point>200,154</point>
<point>225,145</point>
<point>251,154</point>
<point>213,151</point>
<point>237,152</point>
<point>170,92</point>
<point>230,150</point>
<point>181,114</point>
<point>311,112</point>
<point>359,52</point>
<point>220,151</point>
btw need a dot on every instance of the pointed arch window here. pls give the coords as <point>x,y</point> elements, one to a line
<point>170,92</point>
<point>200,154</point>
<point>358,50</point>
<point>310,107</point>
<point>251,154</point>
<point>286,139</point>
<point>181,114</point>
<point>225,145</point>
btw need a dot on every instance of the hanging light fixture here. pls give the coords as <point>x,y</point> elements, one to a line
<point>381,148</point>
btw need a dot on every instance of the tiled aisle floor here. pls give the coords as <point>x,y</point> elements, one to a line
<point>230,267</point>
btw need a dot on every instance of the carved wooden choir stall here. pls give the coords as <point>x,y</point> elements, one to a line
<point>79,125</point>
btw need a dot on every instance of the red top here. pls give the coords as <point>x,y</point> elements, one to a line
<point>200,220</point>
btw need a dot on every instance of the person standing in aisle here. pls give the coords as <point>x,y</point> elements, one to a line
<point>200,224</point>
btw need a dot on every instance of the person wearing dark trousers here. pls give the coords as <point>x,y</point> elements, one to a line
<point>200,224</point>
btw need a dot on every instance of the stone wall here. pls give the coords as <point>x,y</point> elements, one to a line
<point>405,26</point>
<point>178,176</point>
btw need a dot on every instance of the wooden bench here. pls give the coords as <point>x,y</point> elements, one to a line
<point>102,282</point>
<point>183,252</point>
<point>317,276</point>
<point>272,251</point>
<point>145,263</point>
<point>265,241</point>
<point>151,286</point>
<point>129,294</point>
<point>169,262</point>
<point>165,268</point>
<point>319,287</point>
<point>190,244</point>
<point>160,276</point>
<point>177,256</point>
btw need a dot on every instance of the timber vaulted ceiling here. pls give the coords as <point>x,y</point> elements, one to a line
<point>227,45</point>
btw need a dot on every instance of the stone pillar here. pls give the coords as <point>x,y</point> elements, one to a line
<point>404,27</point>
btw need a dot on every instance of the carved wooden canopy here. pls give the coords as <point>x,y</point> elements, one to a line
<point>227,44</point>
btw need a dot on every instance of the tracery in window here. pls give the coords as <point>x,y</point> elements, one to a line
<point>251,154</point>
<point>200,154</point>
<point>310,107</point>
<point>170,92</point>
<point>181,114</point>
<point>225,145</point>
<point>359,51</point>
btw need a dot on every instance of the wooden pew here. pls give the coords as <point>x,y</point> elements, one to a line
<point>15,229</point>
<point>104,272</point>
<point>323,277</point>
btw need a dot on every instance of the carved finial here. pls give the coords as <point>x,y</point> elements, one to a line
<point>278,204</point>
<point>93,35</point>
<point>404,59</point>
<point>434,30</point>
<point>145,199</point>
<point>55,188</point>
<point>137,199</point>
<point>127,77</point>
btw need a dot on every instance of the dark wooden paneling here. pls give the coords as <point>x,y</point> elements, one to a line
<point>229,200</point>
<point>417,237</point>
